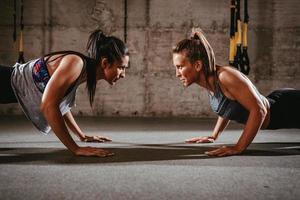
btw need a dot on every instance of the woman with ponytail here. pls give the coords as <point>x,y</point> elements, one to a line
<point>46,87</point>
<point>232,95</point>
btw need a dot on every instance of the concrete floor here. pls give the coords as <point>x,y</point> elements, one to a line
<point>151,162</point>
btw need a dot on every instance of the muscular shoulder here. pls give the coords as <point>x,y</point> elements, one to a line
<point>232,82</point>
<point>230,77</point>
<point>73,61</point>
<point>71,65</point>
<point>68,70</point>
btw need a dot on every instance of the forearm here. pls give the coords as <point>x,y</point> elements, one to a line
<point>56,121</point>
<point>71,123</point>
<point>220,126</point>
<point>252,126</point>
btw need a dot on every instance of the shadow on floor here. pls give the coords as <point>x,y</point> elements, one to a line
<point>137,153</point>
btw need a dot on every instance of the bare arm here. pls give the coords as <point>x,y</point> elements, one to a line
<point>240,88</point>
<point>63,77</point>
<point>55,120</point>
<point>254,122</point>
<point>71,123</point>
<point>219,127</point>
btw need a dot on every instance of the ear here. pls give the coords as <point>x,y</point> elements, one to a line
<point>198,65</point>
<point>104,63</point>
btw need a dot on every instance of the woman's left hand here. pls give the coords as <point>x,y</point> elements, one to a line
<point>95,138</point>
<point>224,151</point>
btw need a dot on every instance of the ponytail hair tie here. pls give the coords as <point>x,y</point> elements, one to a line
<point>103,35</point>
<point>196,34</point>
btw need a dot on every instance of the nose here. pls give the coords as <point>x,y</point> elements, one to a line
<point>177,73</point>
<point>122,75</point>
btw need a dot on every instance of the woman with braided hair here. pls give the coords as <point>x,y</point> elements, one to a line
<point>232,95</point>
<point>46,87</point>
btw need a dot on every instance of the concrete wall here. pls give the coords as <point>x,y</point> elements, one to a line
<point>154,26</point>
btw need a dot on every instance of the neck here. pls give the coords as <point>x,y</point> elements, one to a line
<point>100,73</point>
<point>210,85</point>
<point>203,82</point>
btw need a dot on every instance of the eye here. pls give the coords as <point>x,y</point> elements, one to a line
<point>179,67</point>
<point>121,67</point>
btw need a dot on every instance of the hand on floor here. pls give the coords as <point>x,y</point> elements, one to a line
<point>205,139</point>
<point>95,138</point>
<point>92,151</point>
<point>224,151</point>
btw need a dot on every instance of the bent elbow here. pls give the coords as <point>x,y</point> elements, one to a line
<point>261,112</point>
<point>43,108</point>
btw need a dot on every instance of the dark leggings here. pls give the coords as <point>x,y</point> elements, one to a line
<point>7,94</point>
<point>285,109</point>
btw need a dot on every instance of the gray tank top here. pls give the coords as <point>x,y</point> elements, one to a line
<point>29,96</point>
<point>227,108</point>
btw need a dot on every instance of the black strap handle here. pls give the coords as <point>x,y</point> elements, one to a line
<point>238,56</point>
<point>245,57</point>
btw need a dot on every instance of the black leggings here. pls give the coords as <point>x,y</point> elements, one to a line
<point>7,94</point>
<point>285,109</point>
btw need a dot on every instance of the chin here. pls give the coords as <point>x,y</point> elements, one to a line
<point>186,84</point>
<point>110,82</point>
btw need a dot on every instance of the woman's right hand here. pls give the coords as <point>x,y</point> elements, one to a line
<point>92,151</point>
<point>203,139</point>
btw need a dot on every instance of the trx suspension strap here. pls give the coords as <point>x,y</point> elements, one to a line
<point>125,21</point>
<point>235,30</point>
<point>15,22</point>
<point>232,30</point>
<point>245,58</point>
<point>238,56</point>
<point>21,49</point>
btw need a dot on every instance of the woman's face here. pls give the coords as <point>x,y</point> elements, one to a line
<point>113,72</point>
<point>187,72</point>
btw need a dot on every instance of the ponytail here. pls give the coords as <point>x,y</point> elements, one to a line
<point>96,38</point>
<point>197,34</point>
<point>101,46</point>
<point>198,48</point>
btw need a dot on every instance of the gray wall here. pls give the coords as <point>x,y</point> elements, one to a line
<point>154,26</point>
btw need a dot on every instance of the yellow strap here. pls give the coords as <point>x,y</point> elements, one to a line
<point>235,41</point>
<point>239,34</point>
<point>245,34</point>
<point>232,49</point>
